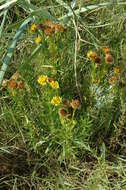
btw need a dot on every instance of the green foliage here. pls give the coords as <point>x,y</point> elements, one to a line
<point>69,134</point>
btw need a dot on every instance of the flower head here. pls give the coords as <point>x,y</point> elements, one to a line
<point>20,85</point>
<point>38,40</point>
<point>50,79</point>
<point>108,58</point>
<point>75,104</point>
<point>54,84</point>
<point>60,28</point>
<point>12,84</point>
<point>92,55</point>
<point>62,112</point>
<point>33,28</point>
<point>56,100</point>
<point>42,80</point>
<point>117,70</point>
<point>97,60</point>
<point>106,50</point>
<point>112,80</point>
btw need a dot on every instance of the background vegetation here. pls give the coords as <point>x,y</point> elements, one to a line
<point>78,141</point>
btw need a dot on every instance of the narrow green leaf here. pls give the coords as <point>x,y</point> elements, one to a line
<point>12,47</point>
<point>90,8</point>
<point>4,6</point>
<point>3,21</point>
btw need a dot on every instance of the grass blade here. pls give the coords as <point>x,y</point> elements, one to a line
<point>7,4</point>
<point>12,47</point>
<point>90,8</point>
<point>3,21</point>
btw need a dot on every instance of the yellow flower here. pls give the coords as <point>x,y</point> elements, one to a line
<point>38,40</point>
<point>106,50</point>
<point>117,70</point>
<point>33,28</point>
<point>92,55</point>
<point>42,80</point>
<point>56,100</point>
<point>54,84</point>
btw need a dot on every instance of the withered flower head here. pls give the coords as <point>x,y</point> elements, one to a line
<point>50,79</point>
<point>112,80</point>
<point>48,31</point>
<point>97,60</point>
<point>20,84</point>
<point>12,84</point>
<point>62,112</point>
<point>92,55</point>
<point>75,104</point>
<point>60,28</point>
<point>41,27</point>
<point>50,27</point>
<point>108,58</point>
<point>49,23</point>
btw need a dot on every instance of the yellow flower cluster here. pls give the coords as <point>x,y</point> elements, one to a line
<point>43,80</point>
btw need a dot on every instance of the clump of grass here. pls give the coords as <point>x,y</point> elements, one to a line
<point>62,105</point>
